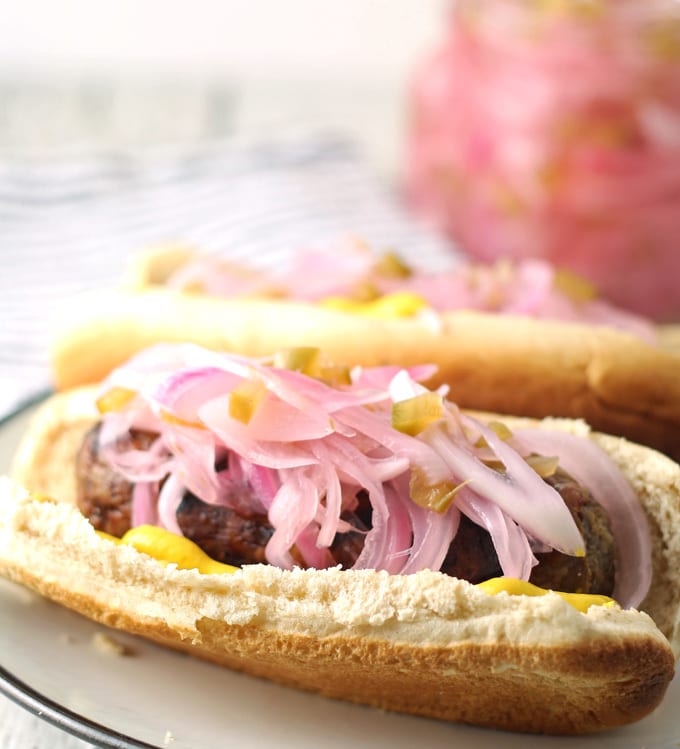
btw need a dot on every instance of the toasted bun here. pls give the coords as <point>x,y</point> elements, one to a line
<point>155,264</point>
<point>669,337</point>
<point>517,365</point>
<point>426,644</point>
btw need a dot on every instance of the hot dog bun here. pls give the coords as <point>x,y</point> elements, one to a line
<point>423,644</point>
<point>155,265</point>
<point>669,337</point>
<point>426,644</point>
<point>518,365</point>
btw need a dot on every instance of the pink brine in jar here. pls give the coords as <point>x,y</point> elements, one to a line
<point>551,128</point>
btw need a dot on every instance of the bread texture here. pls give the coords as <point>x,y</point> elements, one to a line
<point>517,365</point>
<point>423,644</point>
<point>426,644</point>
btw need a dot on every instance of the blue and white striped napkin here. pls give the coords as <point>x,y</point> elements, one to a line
<point>68,227</point>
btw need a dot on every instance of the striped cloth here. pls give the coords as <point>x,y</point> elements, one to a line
<point>68,227</point>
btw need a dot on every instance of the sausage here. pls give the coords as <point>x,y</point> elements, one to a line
<point>472,555</point>
<point>104,496</point>
<point>222,533</point>
<point>236,538</point>
<point>226,535</point>
<point>240,538</point>
<point>594,572</point>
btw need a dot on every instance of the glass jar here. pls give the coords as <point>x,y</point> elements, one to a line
<point>551,128</point>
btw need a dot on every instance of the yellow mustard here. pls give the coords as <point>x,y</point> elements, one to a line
<point>580,601</point>
<point>43,498</point>
<point>169,548</point>
<point>398,304</point>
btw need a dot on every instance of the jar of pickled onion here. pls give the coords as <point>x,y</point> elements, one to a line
<point>551,128</point>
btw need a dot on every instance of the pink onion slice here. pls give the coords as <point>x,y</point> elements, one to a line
<point>144,510</point>
<point>520,492</point>
<point>353,467</point>
<point>139,465</point>
<point>293,509</point>
<point>195,454</point>
<point>590,465</point>
<point>181,394</point>
<point>380,430</point>
<point>433,532</point>
<point>333,502</point>
<point>169,499</point>
<point>524,286</point>
<point>381,377</point>
<point>277,421</point>
<point>315,556</point>
<point>399,533</point>
<point>265,482</point>
<point>133,464</point>
<point>509,540</point>
<point>314,274</point>
<point>236,438</point>
<point>309,449</point>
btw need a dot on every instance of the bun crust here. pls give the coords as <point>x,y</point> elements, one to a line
<point>669,337</point>
<point>617,383</point>
<point>425,644</point>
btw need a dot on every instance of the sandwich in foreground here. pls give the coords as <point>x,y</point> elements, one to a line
<point>525,339</point>
<point>354,533</point>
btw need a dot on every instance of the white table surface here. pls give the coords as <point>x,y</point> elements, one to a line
<point>19,729</point>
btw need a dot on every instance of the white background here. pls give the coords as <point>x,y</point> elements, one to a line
<point>377,38</point>
<point>345,65</point>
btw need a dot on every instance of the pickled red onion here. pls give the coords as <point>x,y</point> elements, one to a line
<point>328,526</point>
<point>591,466</point>
<point>306,477</point>
<point>265,482</point>
<point>292,511</point>
<point>509,540</point>
<point>529,287</point>
<point>552,130</point>
<point>169,497</point>
<point>144,494</point>
<point>130,462</point>
<point>433,533</point>
<point>514,491</point>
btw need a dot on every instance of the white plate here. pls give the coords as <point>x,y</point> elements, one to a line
<point>152,697</point>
